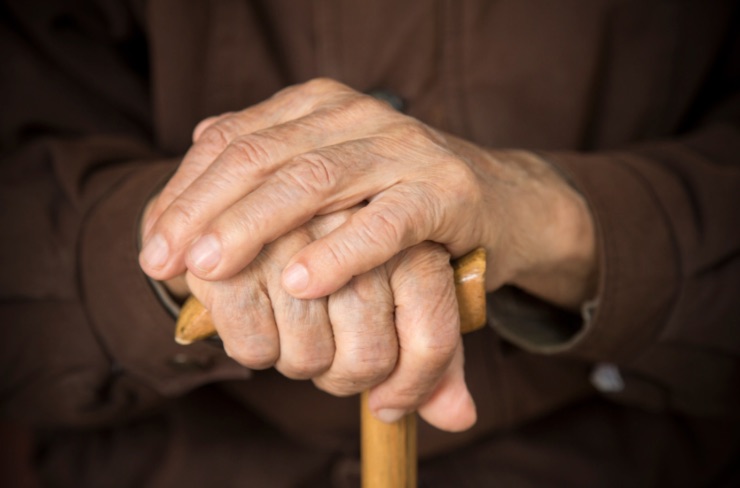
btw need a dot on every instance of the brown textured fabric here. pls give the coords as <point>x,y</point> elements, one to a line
<point>636,101</point>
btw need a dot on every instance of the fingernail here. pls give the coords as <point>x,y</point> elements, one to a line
<point>390,415</point>
<point>206,252</point>
<point>295,277</point>
<point>155,251</point>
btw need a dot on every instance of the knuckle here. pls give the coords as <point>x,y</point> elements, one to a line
<point>367,366</point>
<point>428,259</point>
<point>245,230</point>
<point>340,387</point>
<point>315,92</point>
<point>434,351</point>
<point>349,382</point>
<point>339,253</point>
<point>249,339</point>
<point>322,85</point>
<point>247,153</point>
<point>303,365</point>
<point>215,136</point>
<point>363,233</point>
<point>256,351</point>
<point>207,122</point>
<point>306,337</point>
<point>424,207</point>
<point>332,386</point>
<point>414,132</point>
<point>365,104</point>
<point>184,214</point>
<point>413,135</point>
<point>361,368</point>
<point>312,173</point>
<point>461,180</point>
<point>389,225</point>
<point>437,255</point>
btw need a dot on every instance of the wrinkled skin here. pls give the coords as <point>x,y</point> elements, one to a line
<point>251,184</point>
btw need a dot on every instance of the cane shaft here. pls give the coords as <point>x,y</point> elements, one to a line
<point>389,457</point>
<point>388,450</point>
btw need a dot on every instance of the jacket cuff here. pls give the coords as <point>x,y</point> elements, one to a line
<point>638,268</point>
<point>133,325</point>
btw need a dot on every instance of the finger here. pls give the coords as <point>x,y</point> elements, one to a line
<point>214,137</point>
<point>156,248</point>
<point>306,340</point>
<point>311,183</point>
<point>241,167</point>
<point>211,137</point>
<point>362,319</point>
<point>238,171</point>
<point>427,325</point>
<point>242,314</point>
<point>395,220</point>
<point>450,406</point>
<point>324,180</point>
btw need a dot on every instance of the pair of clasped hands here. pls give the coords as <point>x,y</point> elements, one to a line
<point>317,227</point>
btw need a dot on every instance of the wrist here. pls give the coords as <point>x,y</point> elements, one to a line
<point>550,244</point>
<point>566,274</point>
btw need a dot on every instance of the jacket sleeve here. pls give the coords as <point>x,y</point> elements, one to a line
<point>667,315</point>
<point>84,338</point>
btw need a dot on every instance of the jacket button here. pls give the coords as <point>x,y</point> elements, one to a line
<point>607,378</point>
<point>185,362</point>
<point>389,97</point>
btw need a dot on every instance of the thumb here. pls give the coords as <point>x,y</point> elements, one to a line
<point>450,406</point>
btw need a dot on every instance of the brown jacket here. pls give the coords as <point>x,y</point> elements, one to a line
<point>636,101</point>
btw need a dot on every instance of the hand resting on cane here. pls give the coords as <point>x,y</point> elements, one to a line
<point>394,329</point>
<point>318,148</point>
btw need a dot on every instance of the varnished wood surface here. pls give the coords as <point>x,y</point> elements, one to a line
<point>388,450</point>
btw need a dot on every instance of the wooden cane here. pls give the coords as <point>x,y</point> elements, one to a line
<point>388,450</point>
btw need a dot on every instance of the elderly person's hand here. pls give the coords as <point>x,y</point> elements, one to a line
<point>312,149</point>
<point>394,329</point>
